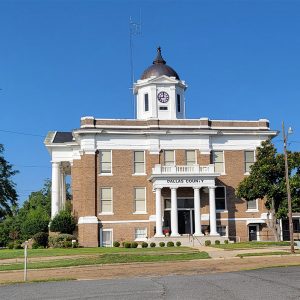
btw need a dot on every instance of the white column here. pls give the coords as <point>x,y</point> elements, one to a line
<point>63,190</point>
<point>55,189</point>
<point>197,212</point>
<point>159,232</point>
<point>174,213</point>
<point>212,211</point>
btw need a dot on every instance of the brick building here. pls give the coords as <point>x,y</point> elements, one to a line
<point>159,173</point>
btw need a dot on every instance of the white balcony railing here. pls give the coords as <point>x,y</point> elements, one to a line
<point>193,169</point>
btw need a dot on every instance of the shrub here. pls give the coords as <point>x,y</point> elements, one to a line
<point>217,242</point>
<point>226,242</point>
<point>170,244</point>
<point>134,245</point>
<point>127,245</point>
<point>35,245</point>
<point>63,222</point>
<point>41,239</point>
<point>10,245</point>
<point>178,244</point>
<point>152,245</point>
<point>207,243</point>
<point>17,245</point>
<point>75,245</point>
<point>144,245</point>
<point>63,240</point>
<point>162,244</point>
<point>116,244</point>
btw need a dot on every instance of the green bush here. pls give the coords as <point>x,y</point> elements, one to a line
<point>144,245</point>
<point>10,245</point>
<point>116,244</point>
<point>36,221</point>
<point>162,244</point>
<point>17,245</point>
<point>41,239</point>
<point>134,245</point>
<point>207,243</point>
<point>217,242</point>
<point>127,245</point>
<point>63,240</point>
<point>226,242</point>
<point>63,222</point>
<point>152,245</point>
<point>178,244</point>
<point>35,245</point>
<point>170,244</point>
<point>75,245</point>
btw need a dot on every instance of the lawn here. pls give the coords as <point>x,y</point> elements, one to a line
<point>7,253</point>
<point>250,245</point>
<point>92,256</point>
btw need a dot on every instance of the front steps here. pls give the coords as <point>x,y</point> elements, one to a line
<point>188,240</point>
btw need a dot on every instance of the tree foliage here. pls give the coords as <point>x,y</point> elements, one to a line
<point>267,181</point>
<point>8,194</point>
<point>63,222</point>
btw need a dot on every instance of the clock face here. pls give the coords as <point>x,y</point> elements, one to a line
<point>163,97</point>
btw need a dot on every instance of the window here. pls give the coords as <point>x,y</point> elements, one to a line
<point>169,157</point>
<point>178,103</point>
<point>218,161</point>
<point>222,230</point>
<point>105,162</point>
<point>140,233</point>
<point>106,200</point>
<point>146,102</point>
<point>140,200</point>
<point>220,198</point>
<point>190,157</point>
<point>252,204</point>
<point>139,162</point>
<point>106,237</point>
<point>249,160</point>
<point>163,108</point>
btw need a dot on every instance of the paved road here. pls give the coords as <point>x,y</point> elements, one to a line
<point>273,283</point>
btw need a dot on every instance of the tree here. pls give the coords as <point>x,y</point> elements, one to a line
<point>63,222</point>
<point>8,194</point>
<point>267,181</point>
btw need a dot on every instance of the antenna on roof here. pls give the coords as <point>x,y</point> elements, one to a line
<point>135,29</point>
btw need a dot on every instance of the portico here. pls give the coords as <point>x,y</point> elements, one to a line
<point>174,177</point>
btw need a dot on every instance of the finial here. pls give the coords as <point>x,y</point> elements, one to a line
<point>159,59</point>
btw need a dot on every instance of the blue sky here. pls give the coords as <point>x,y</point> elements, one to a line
<point>61,60</point>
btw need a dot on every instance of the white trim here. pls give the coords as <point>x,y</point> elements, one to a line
<point>252,209</point>
<point>106,214</point>
<point>140,239</point>
<point>139,174</point>
<point>257,231</point>
<point>140,212</point>
<point>224,165</point>
<point>174,156</point>
<point>126,221</point>
<point>88,220</point>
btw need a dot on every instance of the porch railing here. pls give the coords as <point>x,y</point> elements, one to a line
<point>191,169</point>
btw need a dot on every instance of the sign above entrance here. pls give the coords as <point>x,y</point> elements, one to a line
<point>185,181</point>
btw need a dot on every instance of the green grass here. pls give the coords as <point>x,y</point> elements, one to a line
<point>250,245</point>
<point>38,280</point>
<point>7,253</point>
<point>110,258</point>
<point>264,253</point>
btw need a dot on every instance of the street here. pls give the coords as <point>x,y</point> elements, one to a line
<point>270,283</point>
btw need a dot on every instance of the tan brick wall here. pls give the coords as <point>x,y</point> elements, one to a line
<point>88,235</point>
<point>86,184</point>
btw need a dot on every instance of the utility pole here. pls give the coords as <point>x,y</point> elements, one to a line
<point>288,190</point>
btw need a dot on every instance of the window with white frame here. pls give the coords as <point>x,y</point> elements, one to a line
<point>105,162</point>
<point>106,200</point>
<point>249,160</point>
<point>190,157</point>
<point>252,204</point>
<point>140,199</point>
<point>140,233</point>
<point>139,162</point>
<point>106,237</point>
<point>218,161</point>
<point>169,157</point>
<point>220,198</point>
<point>222,230</point>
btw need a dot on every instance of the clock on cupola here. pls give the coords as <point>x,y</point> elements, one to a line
<point>160,92</point>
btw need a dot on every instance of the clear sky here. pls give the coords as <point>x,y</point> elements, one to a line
<point>61,60</point>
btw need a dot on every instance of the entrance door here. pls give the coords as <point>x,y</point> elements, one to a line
<point>186,221</point>
<point>252,233</point>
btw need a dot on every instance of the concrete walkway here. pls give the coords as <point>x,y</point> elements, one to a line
<point>222,253</point>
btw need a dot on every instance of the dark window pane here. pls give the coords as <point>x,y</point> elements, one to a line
<point>146,102</point>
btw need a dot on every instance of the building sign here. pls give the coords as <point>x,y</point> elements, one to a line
<point>185,181</point>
